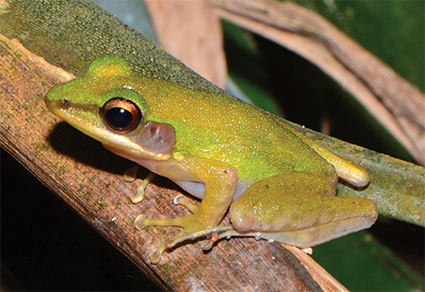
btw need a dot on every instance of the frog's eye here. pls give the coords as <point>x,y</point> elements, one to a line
<point>121,115</point>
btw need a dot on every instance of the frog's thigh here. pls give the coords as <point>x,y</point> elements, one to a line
<point>296,209</point>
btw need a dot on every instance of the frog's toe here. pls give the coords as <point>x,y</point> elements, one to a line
<point>157,255</point>
<point>141,222</point>
<point>131,174</point>
<point>139,194</point>
<point>181,200</point>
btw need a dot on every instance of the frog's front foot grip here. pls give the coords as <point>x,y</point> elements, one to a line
<point>188,233</point>
<point>138,196</point>
<point>183,236</point>
<point>141,222</point>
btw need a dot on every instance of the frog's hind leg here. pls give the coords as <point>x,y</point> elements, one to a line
<point>296,209</point>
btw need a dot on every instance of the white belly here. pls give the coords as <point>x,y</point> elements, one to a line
<point>198,189</point>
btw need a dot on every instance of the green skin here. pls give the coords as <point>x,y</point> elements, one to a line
<point>279,184</point>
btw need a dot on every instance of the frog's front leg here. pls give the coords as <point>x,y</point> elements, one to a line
<point>297,209</point>
<point>220,181</point>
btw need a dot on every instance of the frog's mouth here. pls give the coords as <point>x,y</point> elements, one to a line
<point>81,117</point>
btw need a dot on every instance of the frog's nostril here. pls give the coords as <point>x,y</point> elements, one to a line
<point>65,102</point>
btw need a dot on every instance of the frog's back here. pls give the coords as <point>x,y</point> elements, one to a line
<point>213,126</point>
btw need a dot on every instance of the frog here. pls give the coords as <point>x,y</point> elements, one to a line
<point>273,181</point>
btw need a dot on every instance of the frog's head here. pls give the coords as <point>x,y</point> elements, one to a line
<point>104,105</point>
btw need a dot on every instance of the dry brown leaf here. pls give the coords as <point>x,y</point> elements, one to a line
<point>190,31</point>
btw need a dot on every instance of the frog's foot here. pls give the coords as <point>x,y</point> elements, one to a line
<point>192,229</point>
<point>181,200</point>
<point>139,194</point>
<point>131,174</point>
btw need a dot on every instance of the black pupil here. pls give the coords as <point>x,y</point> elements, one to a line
<point>119,117</point>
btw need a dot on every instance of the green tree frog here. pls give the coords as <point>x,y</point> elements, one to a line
<point>276,183</point>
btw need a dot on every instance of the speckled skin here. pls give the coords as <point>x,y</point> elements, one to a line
<point>222,147</point>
